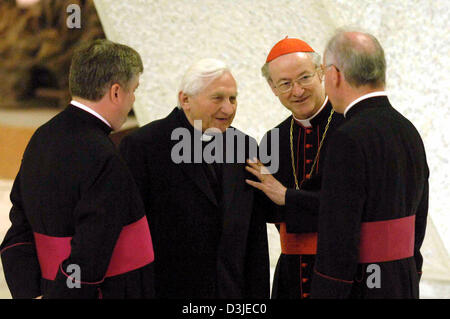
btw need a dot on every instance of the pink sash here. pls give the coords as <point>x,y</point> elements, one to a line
<point>133,250</point>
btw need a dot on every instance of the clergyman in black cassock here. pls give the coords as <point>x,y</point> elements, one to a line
<point>298,217</point>
<point>293,64</point>
<point>210,240</point>
<point>79,228</point>
<point>374,198</point>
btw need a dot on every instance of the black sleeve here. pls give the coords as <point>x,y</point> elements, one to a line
<point>99,218</point>
<point>421,223</point>
<point>257,268</point>
<point>301,212</point>
<point>18,251</point>
<point>342,202</point>
<point>134,154</point>
<point>273,213</point>
<point>302,207</point>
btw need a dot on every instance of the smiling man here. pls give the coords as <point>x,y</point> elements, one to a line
<point>294,73</point>
<point>210,241</point>
<point>215,105</point>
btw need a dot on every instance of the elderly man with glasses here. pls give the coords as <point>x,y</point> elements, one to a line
<point>295,75</point>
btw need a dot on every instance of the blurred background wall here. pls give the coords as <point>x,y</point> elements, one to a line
<point>171,34</point>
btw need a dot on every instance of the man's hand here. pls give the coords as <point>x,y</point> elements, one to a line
<point>269,184</point>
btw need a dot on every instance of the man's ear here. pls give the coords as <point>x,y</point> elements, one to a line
<point>114,93</point>
<point>183,100</point>
<point>338,77</point>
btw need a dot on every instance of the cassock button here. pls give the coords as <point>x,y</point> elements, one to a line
<point>307,176</point>
<point>304,265</point>
<point>308,145</point>
<point>305,295</point>
<point>304,280</point>
<point>308,131</point>
<point>308,161</point>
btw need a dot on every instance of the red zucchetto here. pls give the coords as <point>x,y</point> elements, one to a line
<point>286,46</point>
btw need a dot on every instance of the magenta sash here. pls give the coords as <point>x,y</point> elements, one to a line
<point>380,241</point>
<point>133,250</point>
<point>387,240</point>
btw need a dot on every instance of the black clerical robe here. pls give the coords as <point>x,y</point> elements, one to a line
<point>76,212</point>
<point>373,208</point>
<point>206,245</point>
<point>297,220</point>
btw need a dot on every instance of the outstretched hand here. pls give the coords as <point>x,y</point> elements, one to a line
<point>268,184</point>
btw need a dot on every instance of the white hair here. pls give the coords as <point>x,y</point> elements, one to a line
<point>200,74</point>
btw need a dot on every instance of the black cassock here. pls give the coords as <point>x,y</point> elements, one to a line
<point>297,220</point>
<point>374,205</point>
<point>210,239</point>
<point>76,212</point>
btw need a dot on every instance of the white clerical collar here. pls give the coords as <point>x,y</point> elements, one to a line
<point>89,110</point>
<point>363,97</point>
<point>206,138</point>
<point>306,122</point>
<point>209,134</point>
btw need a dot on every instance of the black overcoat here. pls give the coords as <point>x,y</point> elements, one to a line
<point>210,240</point>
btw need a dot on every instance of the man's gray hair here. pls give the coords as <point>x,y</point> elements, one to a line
<point>200,74</point>
<point>315,57</point>
<point>362,62</point>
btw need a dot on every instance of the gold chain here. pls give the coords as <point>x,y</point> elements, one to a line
<point>318,150</point>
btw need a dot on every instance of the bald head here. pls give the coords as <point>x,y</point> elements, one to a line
<point>359,56</point>
<point>361,41</point>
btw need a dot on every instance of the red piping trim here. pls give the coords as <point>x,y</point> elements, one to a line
<point>301,285</point>
<point>332,278</point>
<point>362,277</point>
<point>14,245</point>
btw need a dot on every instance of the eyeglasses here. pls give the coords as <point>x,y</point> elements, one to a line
<point>285,86</point>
